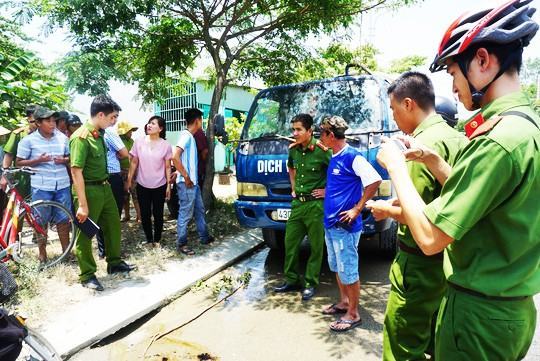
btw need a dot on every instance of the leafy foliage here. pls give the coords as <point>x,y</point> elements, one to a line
<point>406,63</point>
<point>147,41</point>
<point>23,78</point>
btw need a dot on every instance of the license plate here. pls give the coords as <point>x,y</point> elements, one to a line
<point>283,214</point>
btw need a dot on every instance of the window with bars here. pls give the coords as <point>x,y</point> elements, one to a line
<point>174,107</point>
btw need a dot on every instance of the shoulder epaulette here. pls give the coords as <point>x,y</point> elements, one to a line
<point>486,126</point>
<point>82,133</point>
<point>20,130</point>
<point>322,146</point>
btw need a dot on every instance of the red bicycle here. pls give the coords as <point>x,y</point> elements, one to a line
<point>42,230</point>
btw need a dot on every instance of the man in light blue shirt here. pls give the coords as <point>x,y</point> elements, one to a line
<point>47,151</point>
<point>189,192</point>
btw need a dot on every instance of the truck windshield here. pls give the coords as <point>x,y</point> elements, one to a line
<point>357,101</point>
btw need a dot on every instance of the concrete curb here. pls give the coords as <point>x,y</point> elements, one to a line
<point>88,322</point>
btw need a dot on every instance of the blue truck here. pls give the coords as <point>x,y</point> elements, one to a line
<point>264,189</point>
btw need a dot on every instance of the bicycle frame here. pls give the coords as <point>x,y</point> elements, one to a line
<point>10,220</point>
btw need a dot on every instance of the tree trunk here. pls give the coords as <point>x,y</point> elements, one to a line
<point>208,195</point>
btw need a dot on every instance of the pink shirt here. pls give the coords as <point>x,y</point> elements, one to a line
<point>152,156</point>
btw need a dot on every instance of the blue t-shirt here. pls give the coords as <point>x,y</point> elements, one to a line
<point>189,156</point>
<point>348,173</point>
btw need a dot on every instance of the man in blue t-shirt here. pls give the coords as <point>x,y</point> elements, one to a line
<point>351,181</point>
<point>189,191</point>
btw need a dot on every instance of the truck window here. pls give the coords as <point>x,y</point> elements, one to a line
<point>357,101</point>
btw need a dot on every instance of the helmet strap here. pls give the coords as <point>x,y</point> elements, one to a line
<point>477,95</point>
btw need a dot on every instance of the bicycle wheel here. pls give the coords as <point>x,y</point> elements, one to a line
<point>47,233</point>
<point>37,348</point>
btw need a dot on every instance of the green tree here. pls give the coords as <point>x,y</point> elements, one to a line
<point>149,40</point>
<point>406,63</point>
<point>24,79</point>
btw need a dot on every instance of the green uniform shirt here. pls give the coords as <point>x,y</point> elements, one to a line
<point>88,152</point>
<point>436,134</point>
<point>13,142</point>
<point>128,142</point>
<point>490,206</point>
<point>310,164</point>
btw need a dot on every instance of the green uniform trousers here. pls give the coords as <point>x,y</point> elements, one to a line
<point>102,210</point>
<point>418,287</point>
<point>477,329</point>
<point>306,219</point>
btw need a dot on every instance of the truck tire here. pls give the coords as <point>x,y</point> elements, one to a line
<point>388,241</point>
<point>274,238</point>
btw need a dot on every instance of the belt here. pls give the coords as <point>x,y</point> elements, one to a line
<point>487,297</point>
<point>417,252</point>
<point>307,198</point>
<point>97,183</point>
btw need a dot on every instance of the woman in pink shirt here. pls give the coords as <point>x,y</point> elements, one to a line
<point>151,161</point>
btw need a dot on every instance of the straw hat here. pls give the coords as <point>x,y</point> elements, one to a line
<point>125,126</point>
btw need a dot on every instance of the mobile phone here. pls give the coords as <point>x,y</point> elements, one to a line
<point>399,144</point>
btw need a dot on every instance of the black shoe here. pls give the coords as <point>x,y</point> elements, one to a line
<point>209,240</point>
<point>121,267</point>
<point>286,287</point>
<point>93,284</point>
<point>308,293</point>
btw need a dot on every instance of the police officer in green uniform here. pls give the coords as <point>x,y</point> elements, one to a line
<point>308,160</point>
<point>92,195</point>
<point>418,282</point>
<point>487,216</point>
<point>10,149</point>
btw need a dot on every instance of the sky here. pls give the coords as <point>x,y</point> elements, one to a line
<point>413,30</point>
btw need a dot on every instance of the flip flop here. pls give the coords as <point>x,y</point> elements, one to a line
<point>187,251</point>
<point>352,324</point>
<point>333,310</point>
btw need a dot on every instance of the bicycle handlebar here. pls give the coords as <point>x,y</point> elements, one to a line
<point>15,170</point>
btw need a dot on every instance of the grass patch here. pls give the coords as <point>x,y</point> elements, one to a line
<point>35,288</point>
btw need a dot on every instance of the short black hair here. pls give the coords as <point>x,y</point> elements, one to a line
<point>414,85</point>
<point>30,109</point>
<point>103,103</point>
<point>512,54</point>
<point>305,119</point>
<point>191,115</point>
<point>162,124</point>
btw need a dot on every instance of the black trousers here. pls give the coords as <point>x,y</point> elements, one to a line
<point>151,202</point>
<point>117,187</point>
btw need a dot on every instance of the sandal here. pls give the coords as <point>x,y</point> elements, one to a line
<point>333,310</point>
<point>187,251</point>
<point>351,324</point>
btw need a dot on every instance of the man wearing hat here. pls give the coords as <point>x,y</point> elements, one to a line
<point>61,121</point>
<point>73,123</point>
<point>46,150</point>
<point>350,182</point>
<point>10,149</point>
<point>125,131</point>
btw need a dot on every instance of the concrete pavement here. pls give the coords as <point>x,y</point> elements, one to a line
<point>85,323</point>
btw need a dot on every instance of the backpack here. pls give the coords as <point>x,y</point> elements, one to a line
<point>12,333</point>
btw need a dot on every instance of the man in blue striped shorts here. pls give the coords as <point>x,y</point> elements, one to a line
<point>350,182</point>
<point>47,151</point>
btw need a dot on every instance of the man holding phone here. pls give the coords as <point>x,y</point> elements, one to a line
<point>487,217</point>
<point>418,282</point>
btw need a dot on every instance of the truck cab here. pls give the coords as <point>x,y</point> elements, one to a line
<point>264,189</point>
